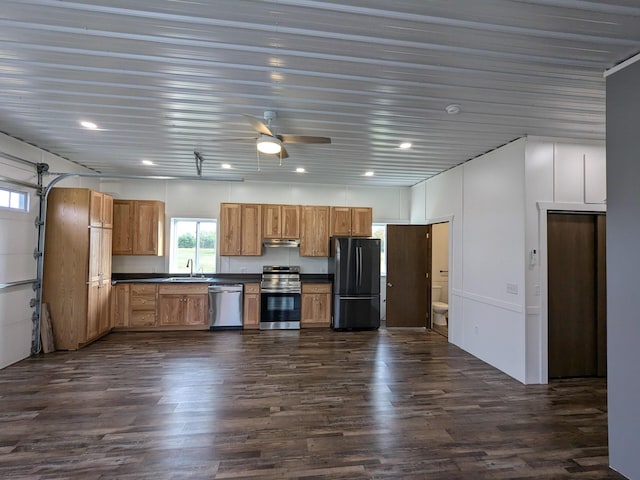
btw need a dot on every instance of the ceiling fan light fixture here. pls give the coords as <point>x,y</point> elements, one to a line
<point>269,145</point>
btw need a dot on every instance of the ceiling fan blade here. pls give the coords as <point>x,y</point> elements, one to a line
<point>283,153</point>
<point>258,125</point>
<point>303,139</point>
<point>237,139</point>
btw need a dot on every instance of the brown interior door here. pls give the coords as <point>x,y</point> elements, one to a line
<point>408,283</point>
<point>577,295</point>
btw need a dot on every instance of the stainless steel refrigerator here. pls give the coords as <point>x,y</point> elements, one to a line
<point>355,265</point>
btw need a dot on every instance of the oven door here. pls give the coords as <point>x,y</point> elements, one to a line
<point>279,310</point>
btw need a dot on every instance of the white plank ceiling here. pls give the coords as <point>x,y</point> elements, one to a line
<point>163,79</point>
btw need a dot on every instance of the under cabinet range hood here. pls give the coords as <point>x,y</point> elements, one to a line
<point>281,242</point>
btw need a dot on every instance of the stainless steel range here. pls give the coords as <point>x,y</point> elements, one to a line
<point>280,295</point>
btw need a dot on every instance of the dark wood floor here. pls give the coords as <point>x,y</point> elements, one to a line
<point>391,404</point>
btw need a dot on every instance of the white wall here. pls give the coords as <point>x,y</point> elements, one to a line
<point>494,202</point>
<point>18,240</point>
<point>201,199</point>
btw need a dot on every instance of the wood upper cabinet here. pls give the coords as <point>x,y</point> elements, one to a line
<point>251,226</point>
<point>123,227</point>
<point>240,229</point>
<point>281,221</point>
<point>315,305</point>
<point>183,305</point>
<point>100,210</point>
<point>340,221</point>
<point>314,231</point>
<point>77,265</point>
<point>351,221</point>
<point>138,227</point>
<point>251,306</point>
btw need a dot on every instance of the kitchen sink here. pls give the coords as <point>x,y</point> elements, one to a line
<point>189,279</point>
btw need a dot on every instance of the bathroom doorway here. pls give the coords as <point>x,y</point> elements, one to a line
<point>440,278</point>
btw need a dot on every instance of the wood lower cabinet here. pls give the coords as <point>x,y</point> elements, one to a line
<point>152,306</point>
<point>143,303</point>
<point>315,305</point>
<point>138,227</point>
<point>77,265</point>
<point>120,295</point>
<point>314,231</point>
<point>251,310</point>
<point>183,305</point>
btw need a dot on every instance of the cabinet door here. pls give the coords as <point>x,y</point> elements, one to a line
<point>107,211</point>
<point>104,319</point>
<point>171,309</point>
<point>361,221</point>
<point>196,310</point>
<point>251,229</point>
<point>316,305</point>
<point>251,310</point>
<point>340,221</point>
<point>96,209</point>
<point>230,231</point>
<point>290,220</point>
<point>94,307</point>
<point>272,221</point>
<point>95,254</point>
<point>122,227</point>
<point>105,253</point>
<point>146,228</point>
<point>314,231</point>
<point>120,305</point>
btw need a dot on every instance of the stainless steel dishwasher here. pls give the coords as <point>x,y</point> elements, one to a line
<point>225,306</point>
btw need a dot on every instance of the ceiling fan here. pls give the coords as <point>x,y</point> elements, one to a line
<point>270,142</point>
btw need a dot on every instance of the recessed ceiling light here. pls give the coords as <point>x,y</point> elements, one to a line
<point>405,145</point>
<point>225,165</point>
<point>88,125</point>
<point>368,174</point>
<point>300,170</point>
<point>453,109</point>
<point>147,162</point>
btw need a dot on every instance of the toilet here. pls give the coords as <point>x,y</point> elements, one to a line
<point>440,309</point>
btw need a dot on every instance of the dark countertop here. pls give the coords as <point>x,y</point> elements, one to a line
<point>211,278</point>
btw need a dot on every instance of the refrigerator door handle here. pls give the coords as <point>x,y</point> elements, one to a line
<point>368,297</point>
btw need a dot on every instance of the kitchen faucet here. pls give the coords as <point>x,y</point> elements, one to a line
<point>190,264</point>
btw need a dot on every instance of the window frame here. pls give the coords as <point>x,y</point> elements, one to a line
<point>173,267</point>
<point>23,196</point>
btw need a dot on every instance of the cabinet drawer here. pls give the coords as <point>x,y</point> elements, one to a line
<point>143,296</point>
<point>316,288</point>
<point>251,288</point>
<point>142,318</point>
<point>181,289</point>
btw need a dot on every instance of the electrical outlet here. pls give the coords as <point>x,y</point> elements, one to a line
<point>512,288</point>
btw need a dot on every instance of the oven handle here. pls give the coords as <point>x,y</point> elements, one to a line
<point>273,290</point>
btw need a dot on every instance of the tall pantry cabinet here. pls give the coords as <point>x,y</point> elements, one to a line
<point>77,265</point>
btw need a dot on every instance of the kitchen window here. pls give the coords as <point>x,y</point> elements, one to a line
<point>14,200</point>
<point>193,239</point>
<point>379,230</point>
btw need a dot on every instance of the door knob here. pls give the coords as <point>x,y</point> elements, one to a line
<point>389,284</point>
